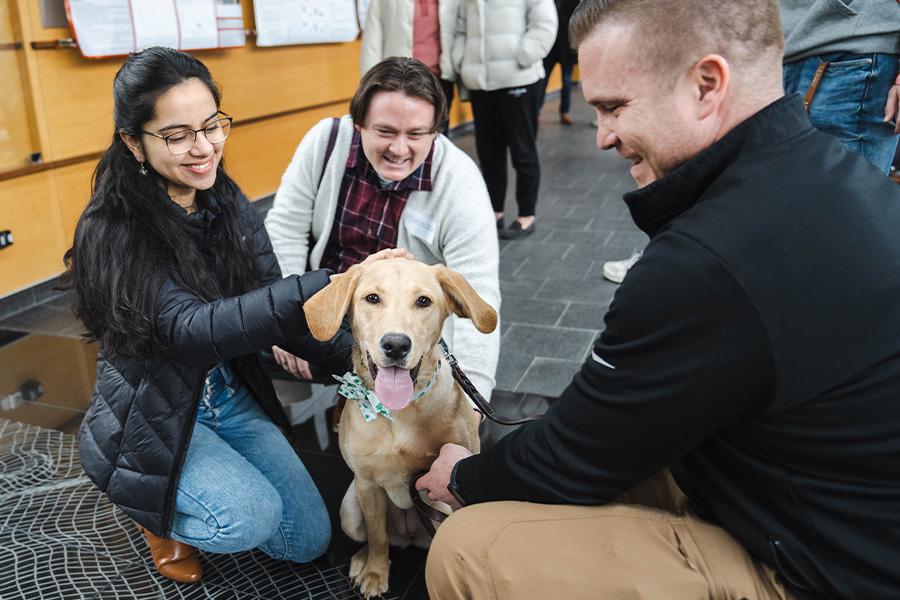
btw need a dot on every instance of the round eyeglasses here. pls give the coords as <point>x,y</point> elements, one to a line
<point>181,142</point>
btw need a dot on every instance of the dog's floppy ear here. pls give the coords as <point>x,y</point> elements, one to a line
<point>465,301</point>
<point>326,309</point>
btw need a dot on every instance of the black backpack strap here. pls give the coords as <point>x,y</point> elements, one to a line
<point>332,138</point>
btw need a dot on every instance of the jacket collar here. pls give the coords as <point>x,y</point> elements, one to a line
<point>207,209</point>
<point>655,205</point>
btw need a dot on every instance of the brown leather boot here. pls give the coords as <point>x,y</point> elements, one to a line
<point>173,559</point>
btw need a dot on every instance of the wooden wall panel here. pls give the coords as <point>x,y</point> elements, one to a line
<point>28,207</point>
<point>15,134</point>
<point>65,367</point>
<point>258,154</point>
<point>75,102</point>
<point>7,34</point>
<point>73,184</point>
<point>261,81</point>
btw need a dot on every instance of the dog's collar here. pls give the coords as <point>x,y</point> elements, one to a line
<point>353,388</point>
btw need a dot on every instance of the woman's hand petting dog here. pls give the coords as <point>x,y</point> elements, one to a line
<point>389,253</point>
<point>438,477</point>
<point>294,365</point>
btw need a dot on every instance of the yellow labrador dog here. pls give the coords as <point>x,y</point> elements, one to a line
<point>397,308</point>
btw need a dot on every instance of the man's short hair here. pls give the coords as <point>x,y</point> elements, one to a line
<point>675,33</point>
<point>399,74</point>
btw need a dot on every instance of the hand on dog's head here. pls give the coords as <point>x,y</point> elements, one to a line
<point>398,284</point>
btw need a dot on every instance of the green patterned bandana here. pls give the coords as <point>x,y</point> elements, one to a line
<point>353,388</point>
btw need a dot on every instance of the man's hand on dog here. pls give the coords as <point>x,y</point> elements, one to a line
<point>438,477</point>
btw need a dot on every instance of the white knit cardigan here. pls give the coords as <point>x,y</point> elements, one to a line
<point>457,211</point>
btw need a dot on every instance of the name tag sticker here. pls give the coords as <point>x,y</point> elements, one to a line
<point>419,225</point>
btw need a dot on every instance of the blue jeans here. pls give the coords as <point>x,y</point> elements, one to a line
<point>566,68</point>
<point>243,485</point>
<point>849,103</point>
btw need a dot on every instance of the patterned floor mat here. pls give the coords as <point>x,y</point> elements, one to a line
<point>61,538</point>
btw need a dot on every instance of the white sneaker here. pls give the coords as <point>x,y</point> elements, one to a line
<point>616,270</point>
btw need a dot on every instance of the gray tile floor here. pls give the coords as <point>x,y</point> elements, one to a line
<point>553,293</point>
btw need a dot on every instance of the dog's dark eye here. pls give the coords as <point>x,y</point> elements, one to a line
<point>373,299</point>
<point>423,302</point>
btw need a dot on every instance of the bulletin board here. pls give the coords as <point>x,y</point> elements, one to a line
<point>117,27</point>
<point>287,22</point>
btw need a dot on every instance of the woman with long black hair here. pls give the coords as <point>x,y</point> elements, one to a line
<point>173,274</point>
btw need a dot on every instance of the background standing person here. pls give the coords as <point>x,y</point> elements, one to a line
<point>562,54</point>
<point>844,58</point>
<point>172,272</point>
<point>422,29</point>
<point>391,181</point>
<point>499,48</point>
<point>731,356</point>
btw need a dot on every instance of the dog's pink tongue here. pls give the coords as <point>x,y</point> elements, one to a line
<point>394,387</point>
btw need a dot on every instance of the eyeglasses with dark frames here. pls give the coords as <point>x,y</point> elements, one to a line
<point>181,142</point>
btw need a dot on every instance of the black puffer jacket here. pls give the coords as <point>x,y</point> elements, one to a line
<point>135,435</point>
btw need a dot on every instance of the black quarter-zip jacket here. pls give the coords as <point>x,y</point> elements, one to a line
<point>755,348</point>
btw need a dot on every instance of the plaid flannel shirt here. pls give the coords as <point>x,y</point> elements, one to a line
<point>368,211</point>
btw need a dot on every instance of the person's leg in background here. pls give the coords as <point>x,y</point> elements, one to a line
<point>566,66</point>
<point>447,88</point>
<point>490,145</point>
<point>499,550</point>
<point>565,92</point>
<point>849,100</point>
<point>550,61</point>
<point>519,113</point>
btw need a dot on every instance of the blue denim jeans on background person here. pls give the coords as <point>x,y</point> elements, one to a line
<point>243,485</point>
<point>566,68</point>
<point>849,103</point>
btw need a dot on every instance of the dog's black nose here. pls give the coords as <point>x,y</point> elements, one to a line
<point>396,345</point>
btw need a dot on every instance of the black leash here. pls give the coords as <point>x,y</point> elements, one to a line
<point>426,513</point>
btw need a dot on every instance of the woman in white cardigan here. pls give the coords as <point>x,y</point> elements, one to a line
<point>422,29</point>
<point>451,224</point>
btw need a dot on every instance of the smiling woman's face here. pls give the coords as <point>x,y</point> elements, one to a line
<point>397,136</point>
<point>188,105</point>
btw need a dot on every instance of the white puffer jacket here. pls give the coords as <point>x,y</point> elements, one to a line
<point>389,32</point>
<point>502,43</point>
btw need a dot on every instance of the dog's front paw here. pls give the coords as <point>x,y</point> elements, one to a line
<point>369,577</point>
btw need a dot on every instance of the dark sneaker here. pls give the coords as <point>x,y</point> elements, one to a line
<point>515,231</point>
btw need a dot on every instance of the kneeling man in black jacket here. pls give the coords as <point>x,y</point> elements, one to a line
<point>753,352</point>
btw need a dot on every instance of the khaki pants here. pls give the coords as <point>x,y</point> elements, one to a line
<point>646,545</point>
